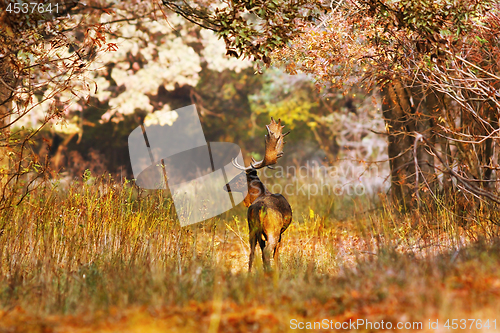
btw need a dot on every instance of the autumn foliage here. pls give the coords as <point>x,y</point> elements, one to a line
<point>406,86</point>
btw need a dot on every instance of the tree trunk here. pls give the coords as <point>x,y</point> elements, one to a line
<point>407,111</point>
<point>398,143</point>
<point>5,107</point>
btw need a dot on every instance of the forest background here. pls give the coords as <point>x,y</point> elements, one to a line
<point>397,98</point>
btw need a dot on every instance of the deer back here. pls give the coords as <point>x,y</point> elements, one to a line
<point>270,215</point>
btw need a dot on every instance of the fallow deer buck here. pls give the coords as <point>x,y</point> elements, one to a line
<point>269,215</point>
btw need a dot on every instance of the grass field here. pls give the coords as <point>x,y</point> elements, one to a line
<point>109,258</point>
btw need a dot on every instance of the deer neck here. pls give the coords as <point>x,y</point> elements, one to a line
<point>256,189</point>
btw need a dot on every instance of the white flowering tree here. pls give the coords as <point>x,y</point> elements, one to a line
<point>55,64</point>
<point>46,50</point>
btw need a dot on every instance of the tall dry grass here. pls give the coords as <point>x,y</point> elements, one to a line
<point>102,247</point>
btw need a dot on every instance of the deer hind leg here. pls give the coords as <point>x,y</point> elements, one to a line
<point>269,249</point>
<point>276,255</point>
<point>264,249</point>
<point>253,243</point>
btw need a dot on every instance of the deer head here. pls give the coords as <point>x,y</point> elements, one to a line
<point>248,179</point>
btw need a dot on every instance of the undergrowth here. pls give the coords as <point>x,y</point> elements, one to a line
<point>105,248</point>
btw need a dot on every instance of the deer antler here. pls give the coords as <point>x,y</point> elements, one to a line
<point>274,147</point>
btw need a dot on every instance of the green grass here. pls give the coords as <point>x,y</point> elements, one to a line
<point>108,251</point>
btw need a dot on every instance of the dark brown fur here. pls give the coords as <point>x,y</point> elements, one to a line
<point>269,215</point>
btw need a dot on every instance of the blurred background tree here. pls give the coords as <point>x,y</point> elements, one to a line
<point>433,63</point>
<point>45,52</point>
<point>83,77</point>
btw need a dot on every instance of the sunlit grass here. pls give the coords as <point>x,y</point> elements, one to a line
<point>103,250</point>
